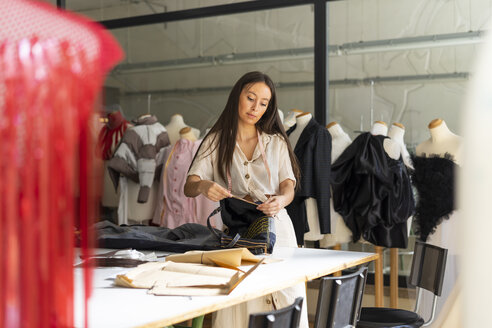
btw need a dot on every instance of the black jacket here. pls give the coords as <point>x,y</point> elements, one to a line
<point>313,150</point>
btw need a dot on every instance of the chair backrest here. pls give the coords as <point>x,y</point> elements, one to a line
<point>340,299</point>
<point>428,265</point>
<point>287,317</point>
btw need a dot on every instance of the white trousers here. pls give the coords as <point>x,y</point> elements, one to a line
<point>237,316</point>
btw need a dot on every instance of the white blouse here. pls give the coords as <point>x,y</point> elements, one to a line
<point>249,177</point>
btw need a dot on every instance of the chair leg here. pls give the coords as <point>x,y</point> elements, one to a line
<point>198,322</point>
<point>195,323</point>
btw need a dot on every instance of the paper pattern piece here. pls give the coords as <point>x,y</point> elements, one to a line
<point>192,279</point>
<point>231,258</point>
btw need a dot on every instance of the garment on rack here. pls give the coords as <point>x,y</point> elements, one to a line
<point>313,150</point>
<point>139,155</point>
<point>173,207</point>
<point>433,177</point>
<point>111,134</point>
<point>373,192</point>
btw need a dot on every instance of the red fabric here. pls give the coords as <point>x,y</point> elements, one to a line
<point>52,66</point>
<point>111,134</point>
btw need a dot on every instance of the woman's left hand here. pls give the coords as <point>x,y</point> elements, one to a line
<point>273,205</point>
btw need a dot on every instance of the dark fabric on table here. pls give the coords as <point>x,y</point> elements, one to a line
<point>313,151</point>
<point>434,179</point>
<point>372,192</point>
<point>189,236</point>
<point>252,225</point>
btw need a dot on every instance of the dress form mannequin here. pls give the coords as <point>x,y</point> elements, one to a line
<point>175,125</point>
<point>290,119</point>
<point>396,133</point>
<point>301,121</point>
<point>281,115</point>
<point>311,208</point>
<point>391,147</point>
<point>203,205</point>
<point>340,233</point>
<point>187,133</point>
<point>442,142</point>
<point>379,128</point>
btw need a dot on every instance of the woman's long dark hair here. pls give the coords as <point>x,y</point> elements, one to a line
<point>225,129</point>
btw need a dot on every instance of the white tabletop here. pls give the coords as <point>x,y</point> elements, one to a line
<point>112,306</point>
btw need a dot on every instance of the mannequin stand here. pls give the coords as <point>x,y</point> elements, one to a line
<point>394,278</point>
<point>337,247</point>
<point>378,277</point>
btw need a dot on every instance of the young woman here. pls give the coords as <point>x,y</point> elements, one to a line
<point>247,154</point>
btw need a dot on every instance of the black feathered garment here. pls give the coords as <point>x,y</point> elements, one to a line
<point>433,177</point>
<point>372,192</point>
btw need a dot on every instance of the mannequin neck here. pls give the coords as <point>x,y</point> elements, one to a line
<point>303,120</point>
<point>177,119</point>
<point>336,131</point>
<point>396,133</point>
<point>379,129</point>
<point>440,132</point>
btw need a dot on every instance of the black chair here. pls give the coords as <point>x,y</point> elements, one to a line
<point>339,300</point>
<point>428,266</point>
<point>287,317</point>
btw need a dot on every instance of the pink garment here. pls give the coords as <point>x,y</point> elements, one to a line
<point>174,208</point>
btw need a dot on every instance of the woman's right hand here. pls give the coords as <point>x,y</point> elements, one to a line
<point>213,191</point>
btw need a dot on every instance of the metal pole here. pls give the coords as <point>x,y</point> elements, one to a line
<point>320,62</point>
<point>61,4</point>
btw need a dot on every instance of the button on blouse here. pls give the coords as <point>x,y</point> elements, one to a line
<point>249,177</point>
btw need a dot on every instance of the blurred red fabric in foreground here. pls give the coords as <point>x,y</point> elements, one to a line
<point>52,66</point>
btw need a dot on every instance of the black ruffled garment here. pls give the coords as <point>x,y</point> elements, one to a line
<point>433,178</point>
<point>372,192</point>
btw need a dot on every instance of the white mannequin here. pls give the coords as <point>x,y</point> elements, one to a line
<point>396,133</point>
<point>175,125</point>
<point>442,141</point>
<point>339,232</point>
<point>301,120</point>
<point>281,115</point>
<point>339,140</point>
<point>290,119</point>
<point>390,147</point>
<point>447,234</point>
<point>379,128</point>
<point>314,233</point>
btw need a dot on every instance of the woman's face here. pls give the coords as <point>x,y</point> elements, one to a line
<point>253,102</point>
